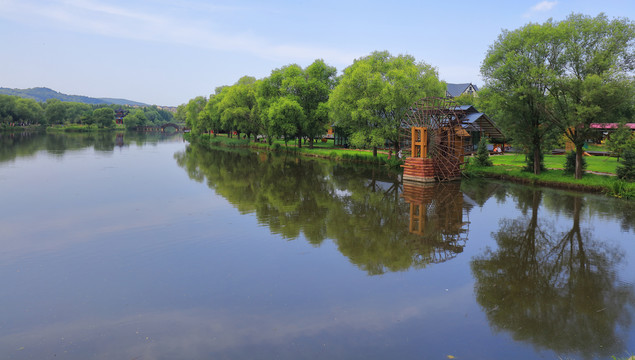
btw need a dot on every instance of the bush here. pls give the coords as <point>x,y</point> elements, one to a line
<point>276,146</point>
<point>394,163</point>
<point>626,171</point>
<point>529,159</point>
<point>569,164</point>
<point>482,155</point>
<point>621,189</point>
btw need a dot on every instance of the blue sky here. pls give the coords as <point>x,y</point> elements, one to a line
<point>166,52</point>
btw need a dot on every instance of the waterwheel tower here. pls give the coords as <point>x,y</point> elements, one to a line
<point>437,140</point>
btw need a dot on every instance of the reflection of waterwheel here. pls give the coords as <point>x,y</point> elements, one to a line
<point>439,218</point>
<point>444,135</point>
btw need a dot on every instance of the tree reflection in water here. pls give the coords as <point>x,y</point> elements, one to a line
<point>359,207</point>
<point>557,289</point>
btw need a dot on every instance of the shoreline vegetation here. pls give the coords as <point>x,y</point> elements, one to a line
<point>599,178</point>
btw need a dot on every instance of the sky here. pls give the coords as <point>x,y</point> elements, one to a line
<point>166,52</point>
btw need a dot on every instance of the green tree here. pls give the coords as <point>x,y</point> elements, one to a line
<point>29,111</point>
<point>621,139</point>
<point>482,154</point>
<point>466,99</point>
<point>518,70</point>
<point>152,115</point>
<point>55,111</point>
<point>210,117</point>
<point>593,82</point>
<point>374,94</point>
<point>626,170</point>
<point>192,110</point>
<point>559,77</point>
<point>8,108</point>
<point>285,115</point>
<point>135,119</point>
<point>309,87</point>
<point>104,117</point>
<point>317,83</point>
<point>238,107</point>
<point>76,113</point>
<point>181,114</point>
<point>268,91</point>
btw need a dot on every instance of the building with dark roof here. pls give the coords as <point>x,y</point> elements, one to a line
<point>454,90</point>
<point>478,124</point>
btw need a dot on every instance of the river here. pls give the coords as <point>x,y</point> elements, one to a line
<point>142,246</point>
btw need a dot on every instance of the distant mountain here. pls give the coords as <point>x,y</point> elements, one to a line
<point>41,94</point>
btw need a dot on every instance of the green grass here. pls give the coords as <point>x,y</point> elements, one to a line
<point>595,147</point>
<point>603,164</point>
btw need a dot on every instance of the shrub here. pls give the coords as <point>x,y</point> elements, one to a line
<point>569,164</point>
<point>621,189</point>
<point>482,155</point>
<point>529,160</point>
<point>394,163</point>
<point>626,171</point>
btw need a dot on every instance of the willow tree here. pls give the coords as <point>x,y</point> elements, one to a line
<point>192,111</point>
<point>559,77</point>
<point>595,80</point>
<point>209,117</point>
<point>238,108</point>
<point>375,93</point>
<point>518,71</point>
<point>309,87</point>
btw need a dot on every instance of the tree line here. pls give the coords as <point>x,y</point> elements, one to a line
<point>543,82</point>
<point>367,102</point>
<point>17,111</point>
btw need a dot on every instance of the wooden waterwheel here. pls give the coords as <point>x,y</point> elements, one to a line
<point>434,130</point>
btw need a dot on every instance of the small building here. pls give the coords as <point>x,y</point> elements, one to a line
<point>478,124</point>
<point>454,90</point>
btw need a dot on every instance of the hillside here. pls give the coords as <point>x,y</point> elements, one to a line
<point>41,94</point>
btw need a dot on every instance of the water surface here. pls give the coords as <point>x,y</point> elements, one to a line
<point>144,247</point>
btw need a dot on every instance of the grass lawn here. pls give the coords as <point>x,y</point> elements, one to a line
<point>603,164</point>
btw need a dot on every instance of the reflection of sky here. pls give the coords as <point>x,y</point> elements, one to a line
<point>123,256</point>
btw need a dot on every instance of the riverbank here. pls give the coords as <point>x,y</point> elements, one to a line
<point>61,128</point>
<point>590,182</point>
<point>506,168</point>
<point>319,150</point>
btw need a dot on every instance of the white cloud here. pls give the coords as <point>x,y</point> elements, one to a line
<point>97,17</point>
<point>541,7</point>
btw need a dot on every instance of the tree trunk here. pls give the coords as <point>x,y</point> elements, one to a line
<point>397,147</point>
<point>374,151</point>
<point>311,143</point>
<point>578,161</point>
